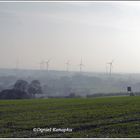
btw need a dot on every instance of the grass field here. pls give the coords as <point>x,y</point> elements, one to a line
<point>91,117</point>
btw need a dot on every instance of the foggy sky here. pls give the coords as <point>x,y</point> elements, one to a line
<point>99,32</point>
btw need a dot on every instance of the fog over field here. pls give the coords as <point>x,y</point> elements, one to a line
<point>62,83</point>
<point>70,69</point>
<point>80,48</point>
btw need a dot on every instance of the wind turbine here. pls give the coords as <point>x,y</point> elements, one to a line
<point>47,64</point>
<point>81,65</point>
<point>17,66</point>
<point>67,65</point>
<point>41,64</point>
<point>110,65</point>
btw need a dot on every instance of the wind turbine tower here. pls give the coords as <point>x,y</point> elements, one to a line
<point>67,65</point>
<point>17,66</point>
<point>47,64</point>
<point>110,67</point>
<point>81,65</point>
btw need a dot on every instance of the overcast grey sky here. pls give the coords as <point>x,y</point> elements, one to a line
<point>96,31</point>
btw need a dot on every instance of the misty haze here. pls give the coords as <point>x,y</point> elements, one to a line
<point>71,47</point>
<point>70,65</point>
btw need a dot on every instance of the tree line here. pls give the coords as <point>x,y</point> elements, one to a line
<point>22,90</point>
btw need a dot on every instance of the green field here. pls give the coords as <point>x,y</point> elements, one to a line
<point>87,117</point>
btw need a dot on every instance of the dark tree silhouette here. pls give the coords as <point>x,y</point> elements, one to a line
<point>21,85</point>
<point>13,94</point>
<point>22,90</point>
<point>34,87</point>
